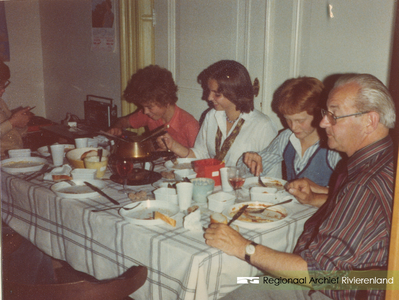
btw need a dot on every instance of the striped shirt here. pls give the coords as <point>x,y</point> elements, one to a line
<point>273,154</point>
<point>355,235</point>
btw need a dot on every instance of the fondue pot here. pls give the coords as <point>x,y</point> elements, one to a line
<point>133,149</point>
<point>136,147</point>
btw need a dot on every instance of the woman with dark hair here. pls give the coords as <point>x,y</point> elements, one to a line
<point>232,127</point>
<point>154,91</point>
<point>13,126</point>
<point>297,101</point>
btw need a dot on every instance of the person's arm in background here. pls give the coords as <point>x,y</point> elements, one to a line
<point>263,161</point>
<point>119,125</point>
<point>18,119</point>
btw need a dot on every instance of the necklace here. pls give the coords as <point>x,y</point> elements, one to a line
<point>232,121</point>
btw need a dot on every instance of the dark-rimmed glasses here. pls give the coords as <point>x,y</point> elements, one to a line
<point>332,119</point>
<point>5,84</point>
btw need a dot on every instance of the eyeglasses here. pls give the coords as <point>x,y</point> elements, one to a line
<point>6,84</point>
<point>332,119</point>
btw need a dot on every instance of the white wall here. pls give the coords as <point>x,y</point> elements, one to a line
<point>26,64</point>
<point>275,39</point>
<point>51,64</point>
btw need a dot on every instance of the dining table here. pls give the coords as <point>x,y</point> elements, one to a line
<point>104,244</point>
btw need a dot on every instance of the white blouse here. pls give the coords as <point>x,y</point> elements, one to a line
<point>256,133</point>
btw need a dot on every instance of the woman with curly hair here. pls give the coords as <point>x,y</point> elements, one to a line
<point>154,91</point>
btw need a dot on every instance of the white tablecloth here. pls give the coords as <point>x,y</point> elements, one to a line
<point>103,244</point>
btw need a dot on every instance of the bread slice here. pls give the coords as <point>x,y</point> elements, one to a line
<point>85,154</point>
<point>61,177</point>
<point>218,218</point>
<point>165,218</point>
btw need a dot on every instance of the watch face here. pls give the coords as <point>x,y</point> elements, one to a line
<point>250,249</point>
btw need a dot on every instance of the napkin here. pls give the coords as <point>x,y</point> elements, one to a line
<point>193,221</point>
<point>63,170</point>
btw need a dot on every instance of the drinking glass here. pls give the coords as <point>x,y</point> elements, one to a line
<point>236,178</point>
<point>124,167</point>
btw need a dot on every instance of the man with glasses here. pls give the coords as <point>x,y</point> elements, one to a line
<point>351,230</point>
<point>12,125</point>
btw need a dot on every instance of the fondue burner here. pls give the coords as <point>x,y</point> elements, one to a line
<point>139,176</point>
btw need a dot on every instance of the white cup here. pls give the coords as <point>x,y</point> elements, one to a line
<point>92,143</point>
<point>81,142</point>
<point>57,152</point>
<point>226,186</point>
<point>184,194</point>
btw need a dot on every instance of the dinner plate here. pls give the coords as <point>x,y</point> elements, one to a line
<point>143,213</point>
<point>65,190</point>
<point>182,163</point>
<point>45,150</point>
<point>17,165</point>
<point>269,217</point>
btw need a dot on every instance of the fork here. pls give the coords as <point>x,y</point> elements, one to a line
<point>261,182</point>
<point>116,207</point>
<point>261,210</point>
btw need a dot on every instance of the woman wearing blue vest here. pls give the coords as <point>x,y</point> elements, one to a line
<point>297,102</point>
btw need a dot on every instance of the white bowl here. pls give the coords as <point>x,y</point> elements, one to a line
<point>74,156</point>
<point>220,201</point>
<point>84,174</point>
<point>19,153</point>
<point>180,174</point>
<point>263,194</point>
<point>181,164</point>
<point>167,194</point>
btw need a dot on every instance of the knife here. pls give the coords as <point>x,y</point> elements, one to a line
<point>94,188</point>
<point>238,214</point>
<point>38,173</point>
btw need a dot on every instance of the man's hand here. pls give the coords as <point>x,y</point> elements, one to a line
<point>308,192</point>
<point>226,239</point>
<point>21,118</point>
<point>254,162</point>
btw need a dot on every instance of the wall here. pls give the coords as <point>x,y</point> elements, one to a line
<point>53,51</point>
<point>274,39</point>
<point>26,64</point>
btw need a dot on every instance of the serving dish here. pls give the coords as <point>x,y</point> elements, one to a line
<point>269,217</point>
<point>182,163</point>
<point>17,165</point>
<point>45,150</point>
<point>143,213</point>
<point>80,190</point>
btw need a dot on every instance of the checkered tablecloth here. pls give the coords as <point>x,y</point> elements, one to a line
<point>103,244</point>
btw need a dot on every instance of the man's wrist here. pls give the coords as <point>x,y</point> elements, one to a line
<point>250,249</point>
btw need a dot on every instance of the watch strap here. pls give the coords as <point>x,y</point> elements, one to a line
<point>247,256</point>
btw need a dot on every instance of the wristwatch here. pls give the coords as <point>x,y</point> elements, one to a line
<point>250,250</point>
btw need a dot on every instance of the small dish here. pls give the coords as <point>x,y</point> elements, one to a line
<point>19,153</point>
<point>220,201</point>
<point>181,163</point>
<point>263,194</point>
<point>168,194</point>
<point>180,174</point>
<point>83,174</point>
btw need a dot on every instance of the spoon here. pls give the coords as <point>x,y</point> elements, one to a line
<point>117,207</point>
<point>100,154</point>
<point>261,210</point>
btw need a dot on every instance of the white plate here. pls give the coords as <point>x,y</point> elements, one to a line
<point>266,218</point>
<point>45,150</point>
<point>142,214</point>
<point>182,163</point>
<point>17,165</point>
<point>65,190</point>
<point>268,181</point>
